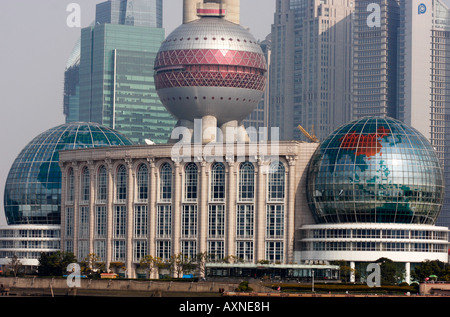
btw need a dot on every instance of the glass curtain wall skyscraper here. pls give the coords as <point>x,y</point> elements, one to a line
<point>310,81</point>
<point>375,28</point>
<point>116,85</point>
<point>130,12</point>
<point>424,84</point>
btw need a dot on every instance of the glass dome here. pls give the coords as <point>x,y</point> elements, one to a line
<point>375,170</point>
<point>33,187</point>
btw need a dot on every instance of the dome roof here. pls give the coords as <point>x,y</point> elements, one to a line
<point>375,170</point>
<point>33,187</point>
<point>211,33</point>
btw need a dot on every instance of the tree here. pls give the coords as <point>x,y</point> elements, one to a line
<point>427,268</point>
<point>55,264</point>
<point>391,272</point>
<point>92,264</point>
<point>15,265</point>
<point>149,263</point>
<point>180,263</point>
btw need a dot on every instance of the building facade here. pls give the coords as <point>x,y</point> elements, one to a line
<point>375,35</point>
<point>125,203</point>
<point>311,68</point>
<point>116,81</point>
<point>424,93</point>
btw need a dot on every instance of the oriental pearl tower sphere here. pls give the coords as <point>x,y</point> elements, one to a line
<point>211,68</point>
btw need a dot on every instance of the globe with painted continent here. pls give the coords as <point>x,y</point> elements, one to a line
<point>375,170</point>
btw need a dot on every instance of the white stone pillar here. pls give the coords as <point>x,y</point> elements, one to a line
<point>176,209</point>
<point>202,211</point>
<point>230,208</point>
<point>260,212</point>
<point>130,219</point>
<point>76,207</point>
<point>109,213</point>
<point>290,211</point>
<point>92,198</point>
<point>408,272</point>
<point>352,272</point>
<point>152,213</point>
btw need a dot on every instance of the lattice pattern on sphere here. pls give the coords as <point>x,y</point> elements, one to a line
<point>210,79</point>
<point>210,57</point>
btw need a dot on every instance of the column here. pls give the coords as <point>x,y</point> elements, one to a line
<point>176,210</point>
<point>260,213</point>
<point>408,272</point>
<point>152,207</point>
<point>202,210</point>
<point>290,212</point>
<point>76,206</point>
<point>230,176</point>
<point>130,212</point>
<point>109,213</point>
<point>92,198</point>
<point>352,272</point>
<point>63,205</point>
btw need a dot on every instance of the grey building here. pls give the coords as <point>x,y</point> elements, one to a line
<point>375,34</point>
<point>311,67</point>
<point>424,85</point>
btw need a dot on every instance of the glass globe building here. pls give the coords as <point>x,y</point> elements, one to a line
<point>375,170</point>
<point>33,187</point>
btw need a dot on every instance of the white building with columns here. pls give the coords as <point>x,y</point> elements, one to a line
<point>127,202</point>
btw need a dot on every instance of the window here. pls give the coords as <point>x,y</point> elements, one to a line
<point>70,185</point>
<point>246,182</point>
<point>85,186</point>
<point>275,221</point>
<point>216,251</point>
<point>218,182</point>
<point>244,250</point>
<point>121,184</point>
<point>142,183</point>
<point>102,185</point>
<point>100,249</point>
<point>100,222</point>
<point>120,221</point>
<point>164,225</point>
<point>69,222</point>
<point>84,222</point>
<point>276,188</point>
<point>166,183</point>
<point>140,221</point>
<point>139,250</point>
<point>245,221</point>
<point>189,249</point>
<point>163,249</point>
<point>189,221</point>
<point>119,251</point>
<point>274,252</point>
<point>191,182</point>
<point>216,221</point>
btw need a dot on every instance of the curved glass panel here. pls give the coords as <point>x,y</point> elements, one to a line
<point>33,187</point>
<point>375,170</point>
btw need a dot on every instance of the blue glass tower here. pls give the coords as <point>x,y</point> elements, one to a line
<point>33,187</point>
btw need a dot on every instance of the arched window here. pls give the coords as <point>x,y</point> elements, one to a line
<point>70,185</point>
<point>191,182</point>
<point>165,183</point>
<point>142,182</point>
<point>85,185</point>
<point>246,182</point>
<point>102,184</point>
<point>218,182</point>
<point>277,176</point>
<point>121,184</point>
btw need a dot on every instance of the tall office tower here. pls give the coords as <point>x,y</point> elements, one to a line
<point>130,12</point>
<point>72,86</point>
<point>424,84</point>
<point>259,117</point>
<point>375,28</point>
<point>116,77</point>
<point>310,81</point>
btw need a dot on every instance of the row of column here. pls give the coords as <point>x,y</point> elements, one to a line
<point>231,175</point>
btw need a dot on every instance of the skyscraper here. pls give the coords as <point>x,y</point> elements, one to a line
<point>375,27</point>
<point>116,85</point>
<point>72,86</point>
<point>310,81</point>
<point>130,12</point>
<point>424,85</point>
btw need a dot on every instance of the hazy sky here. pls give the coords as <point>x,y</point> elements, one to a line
<point>35,45</point>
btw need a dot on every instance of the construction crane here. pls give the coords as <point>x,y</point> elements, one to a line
<point>312,137</point>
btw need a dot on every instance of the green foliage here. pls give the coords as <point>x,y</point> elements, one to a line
<point>244,287</point>
<point>55,264</point>
<point>428,268</point>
